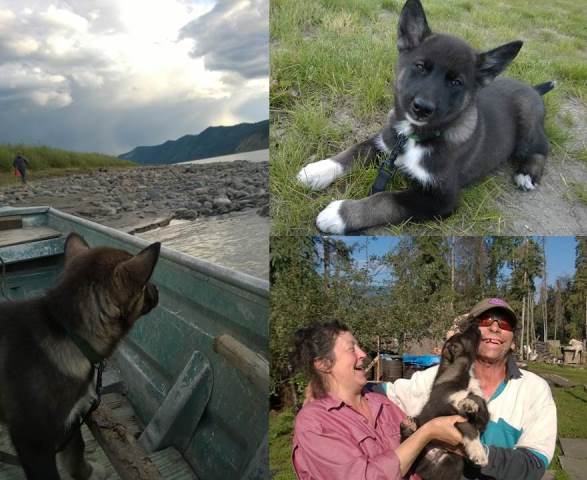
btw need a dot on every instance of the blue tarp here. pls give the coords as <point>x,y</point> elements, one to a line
<point>422,361</point>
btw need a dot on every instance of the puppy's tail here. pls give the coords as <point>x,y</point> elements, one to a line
<point>545,87</point>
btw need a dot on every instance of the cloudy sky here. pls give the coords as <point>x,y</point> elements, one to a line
<point>109,75</point>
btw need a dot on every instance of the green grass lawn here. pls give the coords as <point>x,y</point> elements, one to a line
<point>332,65</point>
<point>571,406</point>
<point>280,432</point>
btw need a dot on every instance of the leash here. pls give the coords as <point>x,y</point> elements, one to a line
<point>98,366</point>
<point>95,404</point>
<point>387,167</point>
<point>10,459</point>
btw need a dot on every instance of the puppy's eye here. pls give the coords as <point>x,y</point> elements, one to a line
<point>420,67</point>
<point>457,82</point>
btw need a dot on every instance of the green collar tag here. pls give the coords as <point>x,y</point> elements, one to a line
<point>424,138</point>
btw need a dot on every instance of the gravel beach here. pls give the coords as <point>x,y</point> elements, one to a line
<point>138,198</point>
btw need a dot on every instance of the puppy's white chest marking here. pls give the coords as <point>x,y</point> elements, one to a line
<point>410,161</point>
<point>474,386</point>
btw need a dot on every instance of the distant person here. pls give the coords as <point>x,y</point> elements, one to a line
<point>21,163</point>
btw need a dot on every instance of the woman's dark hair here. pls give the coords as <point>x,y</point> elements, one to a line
<point>313,343</point>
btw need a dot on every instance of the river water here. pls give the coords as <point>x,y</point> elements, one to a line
<point>236,240</point>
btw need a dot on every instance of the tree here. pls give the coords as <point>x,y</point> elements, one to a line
<point>501,252</point>
<point>578,293</point>
<point>420,294</point>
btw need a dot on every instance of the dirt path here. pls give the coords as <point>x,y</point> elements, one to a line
<point>551,209</point>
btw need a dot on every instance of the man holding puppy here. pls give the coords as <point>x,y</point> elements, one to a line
<point>521,435</point>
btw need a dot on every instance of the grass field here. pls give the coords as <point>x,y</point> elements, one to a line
<point>571,411</point>
<point>52,162</point>
<point>332,65</point>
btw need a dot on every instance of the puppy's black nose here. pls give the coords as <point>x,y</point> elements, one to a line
<point>422,108</point>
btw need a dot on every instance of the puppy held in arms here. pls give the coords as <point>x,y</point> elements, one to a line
<point>455,391</point>
<point>49,347</point>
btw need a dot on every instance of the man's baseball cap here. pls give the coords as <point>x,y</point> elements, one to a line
<point>491,303</point>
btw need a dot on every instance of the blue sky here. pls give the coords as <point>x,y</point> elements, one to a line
<point>560,252</point>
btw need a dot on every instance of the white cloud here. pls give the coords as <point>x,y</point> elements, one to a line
<point>48,98</point>
<point>64,19</point>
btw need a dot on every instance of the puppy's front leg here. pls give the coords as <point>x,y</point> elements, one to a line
<point>318,175</point>
<point>473,447</point>
<point>343,216</point>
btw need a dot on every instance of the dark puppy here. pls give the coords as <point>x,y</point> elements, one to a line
<point>458,125</point>
<point>46,381</point>
<point>455,391</point>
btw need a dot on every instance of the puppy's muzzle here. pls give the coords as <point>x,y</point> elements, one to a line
<point>422,109</point>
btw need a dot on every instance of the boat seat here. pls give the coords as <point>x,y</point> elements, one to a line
<point>169,420</point>
<point>17,236</point>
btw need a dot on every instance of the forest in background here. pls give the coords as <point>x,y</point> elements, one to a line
<point>428,282</point>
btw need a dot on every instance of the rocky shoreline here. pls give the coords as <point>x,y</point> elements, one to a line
<point>138,197</point>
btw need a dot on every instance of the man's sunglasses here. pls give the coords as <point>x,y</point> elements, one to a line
<point>487,319</point>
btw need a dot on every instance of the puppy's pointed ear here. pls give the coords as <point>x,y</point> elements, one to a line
<point>413,27</point>
<point>74,245</point>
<point>490,64</point>
<point>447,353</point>
<point>137,270</point>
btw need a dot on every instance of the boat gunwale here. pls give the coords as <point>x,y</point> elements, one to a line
<point>233,277</point>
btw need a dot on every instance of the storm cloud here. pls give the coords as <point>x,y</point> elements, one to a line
<point>108,75</point>
<point>233,37</point>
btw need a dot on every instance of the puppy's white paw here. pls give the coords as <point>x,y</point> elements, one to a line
<point>469,406</point>
<point>319,175</point>
<point>329,220</point>
<point>476,453</point>
<point>524,181</point>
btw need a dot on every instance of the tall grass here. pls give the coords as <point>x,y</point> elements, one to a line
<point>45,158</point>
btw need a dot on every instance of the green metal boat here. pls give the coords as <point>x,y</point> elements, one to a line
<point>194,370</point>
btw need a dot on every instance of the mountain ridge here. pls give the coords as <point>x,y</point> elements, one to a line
<point>213,141</point>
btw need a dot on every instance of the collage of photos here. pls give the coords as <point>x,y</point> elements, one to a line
<point>293,240</point>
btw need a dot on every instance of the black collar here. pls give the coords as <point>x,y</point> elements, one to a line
<point>88,351</point>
